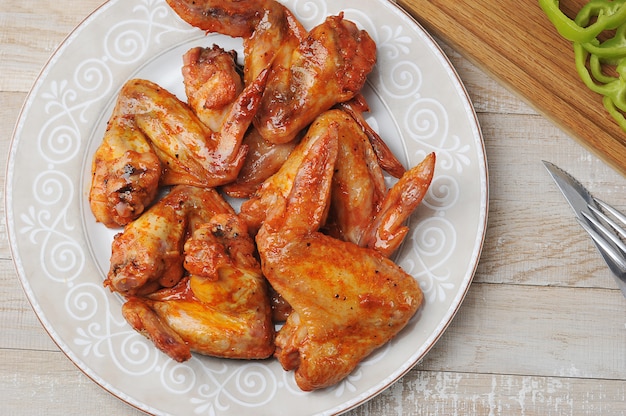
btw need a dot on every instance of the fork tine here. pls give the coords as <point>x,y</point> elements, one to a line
<point>618,228</point>
<point>604,246</point>
<point>617,214</point>
<point>603,230</point>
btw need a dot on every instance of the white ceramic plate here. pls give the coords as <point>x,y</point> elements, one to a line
<point>418,105</point>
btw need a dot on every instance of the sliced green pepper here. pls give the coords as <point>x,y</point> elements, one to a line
<point>609,15</point>
<point>615,47</point>
<point>613,88</point>
<point>592,56</point>
<point>611,50</point>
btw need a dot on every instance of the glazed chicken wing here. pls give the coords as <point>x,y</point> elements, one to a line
<point>347,300</point>
<point>362,210</point>
<point>358,185</point>
<point>155,139</point>
<point>191,153</point>
<point>310,72</point>
<point>276,35</point>
<point>262,161</point>
<point>147,255</point>
<point>212,83</point>
<point>269,29</point>
<point>237,18</point>
<point>125,168</point>
<point>329,66</point>
<point>275,190</point>
<point>387,229</point>
<point>386,159</point>
<point>222,309</point>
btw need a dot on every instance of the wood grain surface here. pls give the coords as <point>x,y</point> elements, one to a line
<point>515,42</point>
<point>541,332</point>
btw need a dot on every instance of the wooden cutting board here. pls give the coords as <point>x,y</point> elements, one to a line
<point>514,42</point>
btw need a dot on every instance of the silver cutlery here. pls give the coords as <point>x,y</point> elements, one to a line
<point>604,224</point>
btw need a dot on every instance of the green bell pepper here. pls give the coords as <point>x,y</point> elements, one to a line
<point>609,15</point>
<point>593,56</point>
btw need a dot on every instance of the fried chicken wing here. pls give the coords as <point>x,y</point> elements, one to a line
<point>387,230</point>
<point>386,159</point>
<point>125,168</point>
<point>191,153</point>
<point>266,26</point>
<point>262,161</point>
<point>358,185</point>
<point>155,139</point>
<point>144,320</point>
<point>237,18</point>
<point>347,300</point>
<point>310,72</point>
<point>329,66</point>
<point>221,310</point>
<point>343,309</point>
<point>212,83</point>
<point>274,191</point>
<point>148,254</point>
<point>362,210</point>
<point>276,35</point>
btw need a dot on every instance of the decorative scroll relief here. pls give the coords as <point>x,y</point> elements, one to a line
<point>250,385</point>
<point>309,12</point>
<point>61,257</point>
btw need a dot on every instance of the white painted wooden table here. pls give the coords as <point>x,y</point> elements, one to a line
<point>541,332</point>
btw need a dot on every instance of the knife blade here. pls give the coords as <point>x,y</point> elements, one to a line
<point>576,195</point>
<point>580,199</point>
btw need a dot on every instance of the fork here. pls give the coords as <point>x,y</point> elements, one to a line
<point>606,231</point>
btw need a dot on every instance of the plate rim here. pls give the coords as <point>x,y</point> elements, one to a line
<point>381,386</point>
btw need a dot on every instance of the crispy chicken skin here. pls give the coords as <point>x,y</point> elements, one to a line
<point>222,309</point>
<point>343,309</point>
<point>347,300</point>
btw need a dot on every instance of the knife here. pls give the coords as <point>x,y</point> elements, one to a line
<point>582,202</point>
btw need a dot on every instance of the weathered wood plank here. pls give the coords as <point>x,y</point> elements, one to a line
<point>49,381</point>
<point>32,30</point>
<point>537,331</point>
<point>435,393</point>
<point>31,381</point>
<point>487,94</point>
